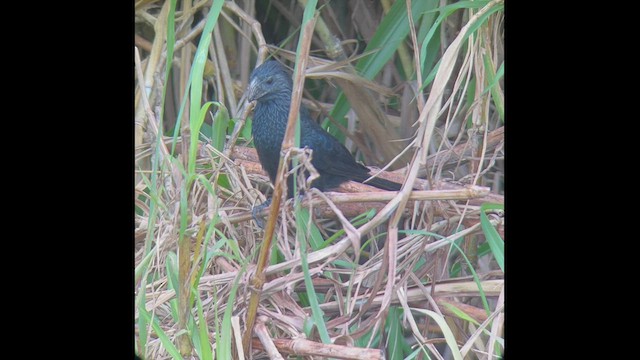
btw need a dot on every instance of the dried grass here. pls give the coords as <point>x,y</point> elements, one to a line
<point>416,272</point>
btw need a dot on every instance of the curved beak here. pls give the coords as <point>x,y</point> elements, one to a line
<point>254,91</point>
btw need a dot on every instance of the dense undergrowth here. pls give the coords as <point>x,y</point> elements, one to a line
<point>350,274</point>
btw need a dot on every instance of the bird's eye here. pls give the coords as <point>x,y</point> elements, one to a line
<point>269,81</point>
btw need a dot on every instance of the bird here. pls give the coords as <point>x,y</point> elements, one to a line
<point>270,85</point>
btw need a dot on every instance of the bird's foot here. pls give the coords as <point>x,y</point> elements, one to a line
<point>256,211</point>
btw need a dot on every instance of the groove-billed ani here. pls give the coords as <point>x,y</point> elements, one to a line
<point>270,84</point>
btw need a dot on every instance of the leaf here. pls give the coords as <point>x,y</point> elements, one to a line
<point>164,339</point>
<point>195,138</point>
<point>476,278</point>
<point>393,29</point>
<point>205,346</point>
<point>493,79</point>
<point>197,70</point>
<point>223,346</point>
<point>316,240</point>
<point>461,314</point>
<point>316,312</point>
<point>171,41</point>
<point>491,234</point>
<point>220,126</point>
<point>446,331</point>
<point>395,338</point>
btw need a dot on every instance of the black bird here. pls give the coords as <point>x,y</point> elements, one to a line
<point>270,85</point>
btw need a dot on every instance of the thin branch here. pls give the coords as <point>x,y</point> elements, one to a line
<point>298,83</point>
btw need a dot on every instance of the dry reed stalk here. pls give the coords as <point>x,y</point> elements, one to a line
<point>288,142</point>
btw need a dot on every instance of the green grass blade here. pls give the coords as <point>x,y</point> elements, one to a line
<point>143,266</point>
<point>197,70</point>
<point>235,254</point>
<point>491,234</point>
<point>164,339</point>
<point>416,352</point>
<point>141,270</point>
<point>395,338</point>
<point>224,344</point>
<point>316,312</point>
<point>483,250</point>
<point>171,41</point>
<point>183,256</point>
<point>171,263</point>
<point>482,19</point>
<point>461,314</point>
<point>393,29</point>
<point>430,52</point>
<point>315,239</point>
<point>493,79</point>
<point>200,59</point>
<point>444,13</point>
<point>196,124</point>
<point>470,98</point>
<point>364,340</point>
<point>476,278</point>
<point>143,324</point>
<point>205,351</point>
<point>194,333</point>
<point>356,221</point>
<point>446,331</point>
<point>220,126</point>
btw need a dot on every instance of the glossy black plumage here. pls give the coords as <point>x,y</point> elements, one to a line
<point>270,85</point>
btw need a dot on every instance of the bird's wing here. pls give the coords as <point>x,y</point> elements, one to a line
<point>329,155</point>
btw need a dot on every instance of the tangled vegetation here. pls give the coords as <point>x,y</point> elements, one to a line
<point>413,89</point>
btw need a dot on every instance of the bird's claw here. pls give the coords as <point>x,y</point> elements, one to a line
<point>255,212</point>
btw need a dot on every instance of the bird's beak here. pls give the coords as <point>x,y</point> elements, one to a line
<point>253,91</point>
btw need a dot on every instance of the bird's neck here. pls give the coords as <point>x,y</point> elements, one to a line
<point>272,115</point>
<point>270,124</point>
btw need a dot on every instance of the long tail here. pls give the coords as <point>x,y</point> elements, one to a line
<point>383,184</point>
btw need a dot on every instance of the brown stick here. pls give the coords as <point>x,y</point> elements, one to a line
<point>303,347</point>
<point>369,197</point>
<point>266,341</point>
<point>142,43</point>
<point>258,280</point>
<point>248,158</point>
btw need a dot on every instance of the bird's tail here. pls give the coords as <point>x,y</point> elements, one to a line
<point>383,184</point>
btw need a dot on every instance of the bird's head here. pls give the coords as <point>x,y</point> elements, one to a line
<point>268,81</point>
